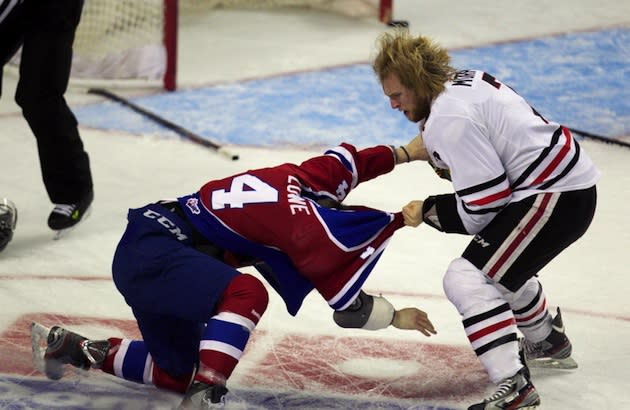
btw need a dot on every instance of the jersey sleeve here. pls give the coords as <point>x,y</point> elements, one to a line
<point>342,168</point>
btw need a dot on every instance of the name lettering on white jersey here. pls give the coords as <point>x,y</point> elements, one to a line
<point>167,223</point>
<point>464,77</point>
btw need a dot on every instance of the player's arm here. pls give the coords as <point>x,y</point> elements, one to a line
<point>337,172</point>
<point>414,150</point>
<point>370,162</point>
<point>375,312</point>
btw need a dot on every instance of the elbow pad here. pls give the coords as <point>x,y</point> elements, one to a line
<point>366,312</point>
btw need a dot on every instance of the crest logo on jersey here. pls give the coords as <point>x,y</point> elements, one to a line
<point>193,205</point>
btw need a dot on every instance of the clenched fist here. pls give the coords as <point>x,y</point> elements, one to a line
<point>412,213</point>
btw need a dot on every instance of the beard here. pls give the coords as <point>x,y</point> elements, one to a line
<point>420,112</point>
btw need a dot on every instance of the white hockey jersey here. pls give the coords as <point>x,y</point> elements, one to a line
<point>498,149</point>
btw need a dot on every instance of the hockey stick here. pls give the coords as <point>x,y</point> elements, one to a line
<point>599,138</point>
<point>166,123</point>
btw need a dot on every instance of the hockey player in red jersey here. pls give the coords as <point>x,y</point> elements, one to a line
<point>176,265</point>
<point>523,187</point>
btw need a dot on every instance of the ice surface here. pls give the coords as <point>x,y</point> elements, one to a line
<point>307,362</point>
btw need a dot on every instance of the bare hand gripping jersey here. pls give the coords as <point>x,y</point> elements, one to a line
<point>272,215</point>
<point>498,150</point>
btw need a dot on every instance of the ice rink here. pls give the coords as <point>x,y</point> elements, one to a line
<point>306,362</point>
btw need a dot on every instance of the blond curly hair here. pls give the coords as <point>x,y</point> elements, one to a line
<point>419,63</point>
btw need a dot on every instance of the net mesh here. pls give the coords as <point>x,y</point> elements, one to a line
<point>123,40</point>
<point>120,39</point>
<point>352,8</point>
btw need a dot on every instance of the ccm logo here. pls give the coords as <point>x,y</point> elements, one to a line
<point>167,223</point>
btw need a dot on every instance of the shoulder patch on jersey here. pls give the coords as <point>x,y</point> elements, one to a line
<point>193,205</point>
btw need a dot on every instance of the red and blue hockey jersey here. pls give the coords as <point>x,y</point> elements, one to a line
<point>272,214</point>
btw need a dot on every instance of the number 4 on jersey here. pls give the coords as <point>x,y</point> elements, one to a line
<point>245,189</point>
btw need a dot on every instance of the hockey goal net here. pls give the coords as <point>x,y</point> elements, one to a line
<point>134,42</point>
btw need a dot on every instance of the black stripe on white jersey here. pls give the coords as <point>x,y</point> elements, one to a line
<point>566,170</point>
<point>482,210</point>
<point>483,186</point>
<point>543,155</point>
<point>478,188</point>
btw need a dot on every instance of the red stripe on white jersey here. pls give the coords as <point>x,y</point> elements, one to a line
<point>558,158</point>
<point>491,198</point>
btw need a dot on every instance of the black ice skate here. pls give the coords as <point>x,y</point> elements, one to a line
<point>65,347</point>
<point>204,396</point>
<point>65,216</point>
<point>515,392</point>
<point>553,352</point>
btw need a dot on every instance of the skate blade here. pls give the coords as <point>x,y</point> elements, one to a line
<point>39,343</point>
<point>39,337</point>
<point>548,363</point>
<point>61,233</point>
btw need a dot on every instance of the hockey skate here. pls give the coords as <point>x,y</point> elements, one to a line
<point>8,220</point>
<point>204,396</point>
<point>554,352</point>
<point>64,217</point>
<point>515,392</point>
<point>55,347</point>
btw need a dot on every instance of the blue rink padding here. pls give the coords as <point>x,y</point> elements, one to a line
<point>41,394</point>
<point>581,80</point>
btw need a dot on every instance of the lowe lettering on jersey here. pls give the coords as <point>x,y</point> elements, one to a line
<point>167,223</point>
<point>296,202</point>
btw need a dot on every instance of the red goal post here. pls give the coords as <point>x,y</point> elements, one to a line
<point>133,43</point>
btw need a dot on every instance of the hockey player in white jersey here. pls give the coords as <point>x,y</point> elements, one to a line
<point>522,186</point>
